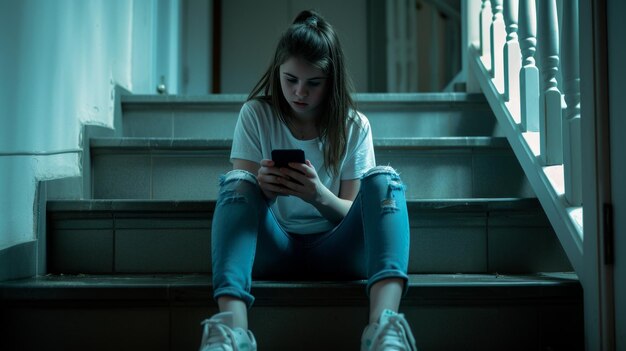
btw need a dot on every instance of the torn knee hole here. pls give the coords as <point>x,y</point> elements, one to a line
<point>237,175</point>
<point>388,205</point>
<point>231,196</point>
<point>396,184</point>
<point>393,178</point>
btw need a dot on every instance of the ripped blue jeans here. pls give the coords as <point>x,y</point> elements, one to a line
<point>371,242</point>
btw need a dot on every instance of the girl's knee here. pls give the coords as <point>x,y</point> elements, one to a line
<point>237,186</point>
<point>237,175</point>
<point>386,183</point>
<point>383,175</point>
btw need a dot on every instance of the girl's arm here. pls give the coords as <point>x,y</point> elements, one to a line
<point>310,189</point>
<point>246,165</point>
<point>335,208</point>
<point>266,175</point>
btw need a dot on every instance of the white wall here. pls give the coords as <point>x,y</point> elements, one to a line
<point>251,29</point>
<point>59,64</point>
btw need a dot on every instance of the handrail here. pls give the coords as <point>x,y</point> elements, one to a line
<point>527,100</point>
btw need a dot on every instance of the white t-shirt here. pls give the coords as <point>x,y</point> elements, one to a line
<point>259,131</point>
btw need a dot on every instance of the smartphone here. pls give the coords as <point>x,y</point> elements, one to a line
<point>282,157</point>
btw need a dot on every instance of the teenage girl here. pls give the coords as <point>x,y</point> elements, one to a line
<point>336,216</point>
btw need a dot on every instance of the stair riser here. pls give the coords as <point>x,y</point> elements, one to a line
<point>503,326</point>
<point>215,125</point>
<point>427,173</point>
<point>449,242</point>
<point>387,120</point>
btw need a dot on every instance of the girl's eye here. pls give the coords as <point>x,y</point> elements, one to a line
<point>314,84</point>
<point>292,80</point>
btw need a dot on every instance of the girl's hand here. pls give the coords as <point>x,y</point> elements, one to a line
<point>310,188</point>
<point>268,178</point>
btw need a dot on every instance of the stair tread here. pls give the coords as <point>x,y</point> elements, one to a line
<point>412,98</point>
<point>465,204</point>
<point>197,143</point>
<point>194,287</point>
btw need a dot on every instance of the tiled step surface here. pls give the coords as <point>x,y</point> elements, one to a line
<point>542,311</point>
<point>447,236</point>
<point>441,167</point>
<point>391,115</point>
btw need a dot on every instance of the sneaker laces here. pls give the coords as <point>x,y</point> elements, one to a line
<point>217,336</point>
<point>396,335</point>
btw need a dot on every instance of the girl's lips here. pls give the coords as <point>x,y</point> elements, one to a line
<point>300,104</point>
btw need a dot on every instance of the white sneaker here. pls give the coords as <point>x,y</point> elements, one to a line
<point>219,335</point>
<point>392,332</point>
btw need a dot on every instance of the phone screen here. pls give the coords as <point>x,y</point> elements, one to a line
<point>282,157</point>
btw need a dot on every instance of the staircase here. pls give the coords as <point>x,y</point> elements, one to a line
<point>129,265</point>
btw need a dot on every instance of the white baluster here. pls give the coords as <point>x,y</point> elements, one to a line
<point>529,75</point>
<point>572,153</point>
<point>485,30</point>
<point>551,142</point>
<point>498,38</point>
<point>470,34</point>
<point>512,60</point>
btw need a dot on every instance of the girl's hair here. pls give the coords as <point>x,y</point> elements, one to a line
<point>314,40</point>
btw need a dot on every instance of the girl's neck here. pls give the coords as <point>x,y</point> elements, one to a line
<point>303,130</point>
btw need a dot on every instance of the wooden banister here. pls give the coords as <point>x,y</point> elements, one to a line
<point>545,136</point>
<point>498,38</point>
<point>512,59</point>
<point>529,74</point>
<point>551,144</point>
<point>485,36</point>
<point>572,153</point>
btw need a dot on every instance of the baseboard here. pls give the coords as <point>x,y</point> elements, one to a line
<point>18,261</point>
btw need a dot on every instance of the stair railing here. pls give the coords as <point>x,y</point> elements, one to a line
<point>516,60</point>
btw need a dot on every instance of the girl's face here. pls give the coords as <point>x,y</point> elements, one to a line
<point>304,87</point>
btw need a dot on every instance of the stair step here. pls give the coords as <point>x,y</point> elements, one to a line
<point>447,236</point>
<point>143,143</point>
<point>433,167</point>
<point>398,115</point>
<point>425,289</point>
<point>163,312</point>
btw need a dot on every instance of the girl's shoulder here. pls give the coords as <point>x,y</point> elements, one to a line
<point>258,104</point>
<point>356,119</point>
<point>258,108</point>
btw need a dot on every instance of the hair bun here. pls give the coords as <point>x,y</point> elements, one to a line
<point>312,21</point>
<point>308,17</point>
